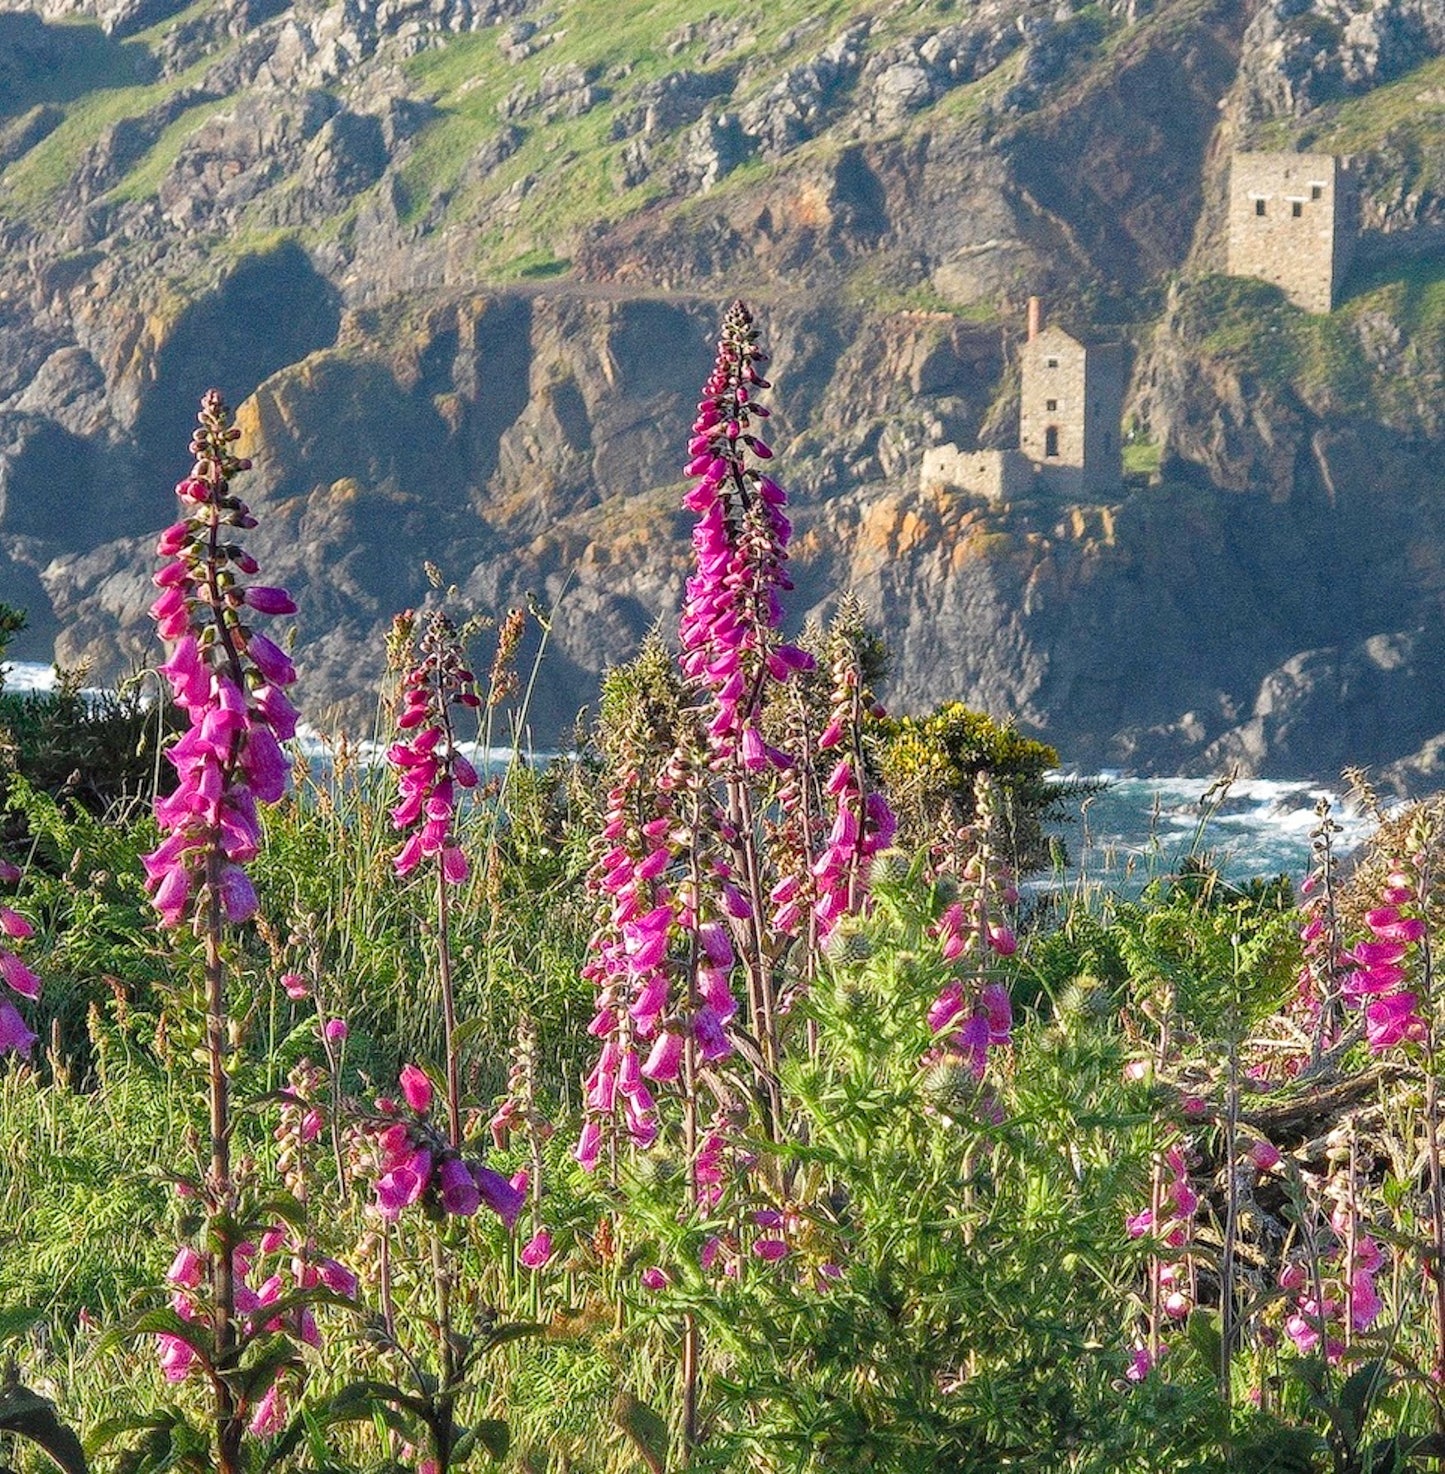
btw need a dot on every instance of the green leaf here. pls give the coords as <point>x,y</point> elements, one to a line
<point>359,1399</point>
<point>15,1320</point>
<point>32,1417</point>
<point>160,1321</point>
<point>111,1428</point>
<point>470,1029</point>
<point>1204,1337</point>
<point>252,1380</point>
<point>1361,1387</point>
<point>1282,1451</point>
<point>645,1428</point>
<point>512,1331</point>
<point>1426,1446</point>
<point>493,1434</point>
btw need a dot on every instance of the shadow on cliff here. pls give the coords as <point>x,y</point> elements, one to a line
<point>42,63</point>
<point>271,311</point>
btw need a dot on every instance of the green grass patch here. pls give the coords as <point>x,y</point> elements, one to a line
<point>145,178</point>
<point>31,184</point>
<point>1142,457</point>
<point>539,265</point>
<point>90,62</point>
<point>1249,323</point>
<point>1414,104</point>
<point>1412,291</point>
<point>573,163</point>
<point>1324,357</point>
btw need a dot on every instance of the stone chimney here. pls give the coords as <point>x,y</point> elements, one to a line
<point>1036,315</point>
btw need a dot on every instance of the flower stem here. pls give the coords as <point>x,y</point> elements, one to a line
<point>691,1341</point>
<point>442,1429</point>
<point>221,1193</point>
<point>449,1013</point>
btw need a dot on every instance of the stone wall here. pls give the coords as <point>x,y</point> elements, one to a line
<point>1291,223</point>
<point>996,475</point>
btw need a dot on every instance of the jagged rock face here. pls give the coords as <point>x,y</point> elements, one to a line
<point>1321,706</point>
<point>1298,54</point>
<point>292,209</point>
<point>1144,129</point>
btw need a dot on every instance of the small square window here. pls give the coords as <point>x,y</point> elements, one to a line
<point>1259,207</point>
<point>1317,191</point>
<point>1296,208</point>
<point>1051,404</point>
<point>1051,363</point>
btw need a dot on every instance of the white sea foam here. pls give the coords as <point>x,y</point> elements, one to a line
<point>1255,826</point>
<point>28,675</point>
<point>321,751</point>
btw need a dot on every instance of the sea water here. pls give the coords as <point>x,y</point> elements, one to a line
<point>1126,833</point>
<point>1134,829</point>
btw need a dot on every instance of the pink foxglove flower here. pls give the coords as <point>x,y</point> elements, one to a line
<point>225,676</point>
<point>1141,1362</point>
<point>537,1250</point>
<point>287,1273</point>
<point>973,1013</point>
<point>862,825</point>
<point>429,768</point>
<point>270,1416</point>
<point>732,606</point>
<point>14,931</point>
<point>1381,980</point>
<point>416,1163</point>
<point>416,1088</point>
<point>628,965</point>
<point>1345,1302</point>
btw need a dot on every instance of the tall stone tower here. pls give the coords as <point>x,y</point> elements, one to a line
<point>1291,222</point>
<point>1070,409</point>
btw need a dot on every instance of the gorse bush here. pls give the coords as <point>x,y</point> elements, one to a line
<point>698,1101</point>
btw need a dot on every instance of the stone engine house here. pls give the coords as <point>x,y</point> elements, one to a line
<point>1070,407</point>
<point>1292,222</point>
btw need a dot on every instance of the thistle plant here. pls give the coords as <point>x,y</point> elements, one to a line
<point>230,681</point>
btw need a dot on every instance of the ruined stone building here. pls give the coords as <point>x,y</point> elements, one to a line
<point>995,475</point>
<point>1071,404</point>
<point>1291,222</point>
<point>1069,410</point>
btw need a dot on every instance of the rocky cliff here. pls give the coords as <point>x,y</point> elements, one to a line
<point>459,263</point>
